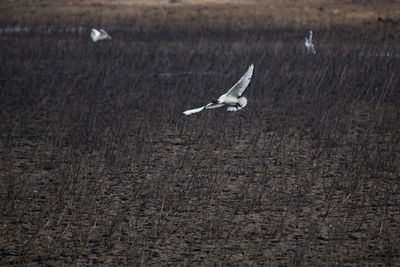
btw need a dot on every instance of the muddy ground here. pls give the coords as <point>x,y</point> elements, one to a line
<point>98,165</point>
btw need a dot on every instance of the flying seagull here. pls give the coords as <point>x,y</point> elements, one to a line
<point>233,98</point>
<point>309,45</point>
<point>98,35</point>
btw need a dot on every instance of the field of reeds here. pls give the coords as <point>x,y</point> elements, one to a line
<point>98,165</point>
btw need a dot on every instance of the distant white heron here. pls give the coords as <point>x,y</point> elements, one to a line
<point>98,35</point>
<point>309,45</point>
<point>233,98</point>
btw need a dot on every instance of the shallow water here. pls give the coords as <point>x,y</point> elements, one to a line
<point>389,54</point>
<point>42,29</point>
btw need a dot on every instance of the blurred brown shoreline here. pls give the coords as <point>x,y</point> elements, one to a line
<point>312,13</point>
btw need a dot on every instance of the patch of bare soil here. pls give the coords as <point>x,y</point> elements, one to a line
<point>98,165</point>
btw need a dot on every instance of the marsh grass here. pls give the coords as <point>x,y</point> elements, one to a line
<point>99,165</point>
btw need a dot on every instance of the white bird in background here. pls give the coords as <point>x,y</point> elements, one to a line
<point>98,35</point>
<point>309,45</point>
<point>233,98</point>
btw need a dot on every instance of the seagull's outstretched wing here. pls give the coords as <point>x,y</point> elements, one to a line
<point>95,34</point>
<point>195,110</point>
<point>240,87</point>
<point>105,34</point>
<point>208,106</point>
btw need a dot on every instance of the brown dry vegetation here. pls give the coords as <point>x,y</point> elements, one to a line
<point>302,13</point>
<point>99,166</point>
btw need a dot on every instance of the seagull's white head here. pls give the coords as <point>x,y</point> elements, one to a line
<point>242,101</point>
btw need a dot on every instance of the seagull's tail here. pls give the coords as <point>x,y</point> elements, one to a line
<point>191,111</point>
<point>233,108</point>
